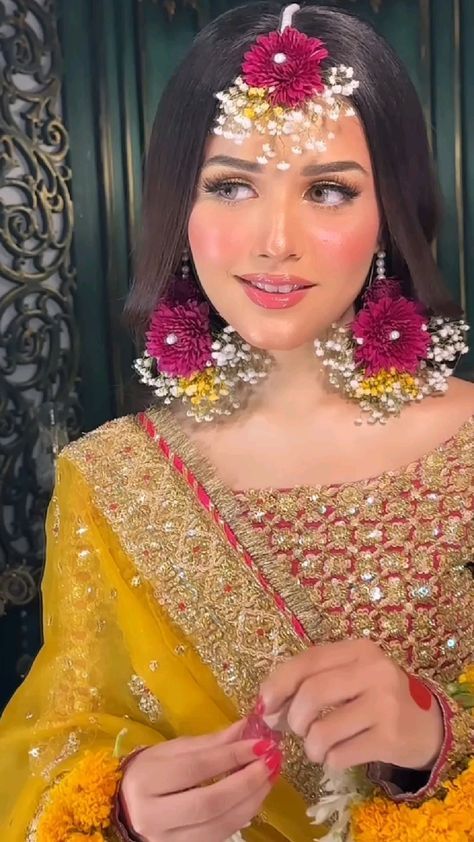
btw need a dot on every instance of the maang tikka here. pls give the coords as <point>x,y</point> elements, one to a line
<point>284,92</point>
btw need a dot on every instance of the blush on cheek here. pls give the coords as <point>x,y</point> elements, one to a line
<point>213,240</point>
<point>349,248</point>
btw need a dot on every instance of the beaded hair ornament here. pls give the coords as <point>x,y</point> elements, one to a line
<point>284,92</point>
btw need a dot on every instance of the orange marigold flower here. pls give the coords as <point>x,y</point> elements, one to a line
<point>80,804</point>
<point>450,820</point>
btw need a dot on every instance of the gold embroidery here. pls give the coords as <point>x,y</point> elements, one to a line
<point>197,577</point>
<point>147,702</point>
<point>369,589</point>
<point>385,558</point>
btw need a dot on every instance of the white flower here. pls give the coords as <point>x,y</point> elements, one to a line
<point>343,790</point>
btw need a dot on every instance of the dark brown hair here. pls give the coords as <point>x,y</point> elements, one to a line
<point>389,109</point>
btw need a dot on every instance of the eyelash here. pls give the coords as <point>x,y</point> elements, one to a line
<point>214,185</point>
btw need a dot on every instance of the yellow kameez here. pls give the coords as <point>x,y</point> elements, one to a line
<point>153,623</point>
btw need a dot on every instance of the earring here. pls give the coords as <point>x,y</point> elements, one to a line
<point>185,267</point>
<point>393,353</point>
<point>186,360</point>
<point>380,266</point>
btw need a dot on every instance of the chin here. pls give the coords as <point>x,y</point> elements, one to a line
<point>284,337</point>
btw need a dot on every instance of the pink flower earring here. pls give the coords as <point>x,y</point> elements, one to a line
<point>185,360</point>
<point>393,353</point>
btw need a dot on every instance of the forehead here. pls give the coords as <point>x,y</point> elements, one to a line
<point>347,142</point>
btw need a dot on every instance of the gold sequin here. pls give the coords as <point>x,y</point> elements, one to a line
<point>147,702</point>
<point>218,601</point>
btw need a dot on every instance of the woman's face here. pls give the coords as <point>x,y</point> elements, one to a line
<point>314,225</point>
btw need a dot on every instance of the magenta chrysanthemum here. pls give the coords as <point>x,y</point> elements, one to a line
<point>179,337</point>
<point>290,62</point>
<point>392,334</point>
<point>384,288</point>
<point>180,290</point>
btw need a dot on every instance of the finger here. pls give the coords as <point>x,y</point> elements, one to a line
<point>288,676</point>
<point>357,751</point>
<point>328,689</point>
<point>206,804</point>
<point>343,723</point>
<point>226,824</point>
<point>184,771</point>
<point>187,745</point>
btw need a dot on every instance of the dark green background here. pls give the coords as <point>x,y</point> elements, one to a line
<point>117,56</point>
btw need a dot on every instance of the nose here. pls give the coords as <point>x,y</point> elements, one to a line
<point>277,235</point>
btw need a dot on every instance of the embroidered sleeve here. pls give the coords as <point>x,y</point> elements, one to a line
<point>413,786</point>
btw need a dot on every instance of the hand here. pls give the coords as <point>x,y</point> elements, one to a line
<point>165,798</point>
<point>378,712</point>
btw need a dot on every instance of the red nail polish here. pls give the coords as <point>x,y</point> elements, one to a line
<point>273,763</point>
<point>420,693</point>
<point>263,747</point>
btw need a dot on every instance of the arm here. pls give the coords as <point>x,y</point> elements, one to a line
<point>76,698</point>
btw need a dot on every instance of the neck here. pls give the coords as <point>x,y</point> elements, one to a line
<point>297,384</point>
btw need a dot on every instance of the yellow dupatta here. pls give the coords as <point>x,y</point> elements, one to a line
<point>160,617</point>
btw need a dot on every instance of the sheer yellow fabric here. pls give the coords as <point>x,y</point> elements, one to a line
<point>111,660</point>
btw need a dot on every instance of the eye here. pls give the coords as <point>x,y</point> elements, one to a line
<point>332,194</point>
<point>229,190</point>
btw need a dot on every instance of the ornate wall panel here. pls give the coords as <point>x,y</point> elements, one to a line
<point>39,350</point>
<point>99,67</point>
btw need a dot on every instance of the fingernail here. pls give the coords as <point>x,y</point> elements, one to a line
<point>273,763</point>
<point>263,747</point>
<point>259,706</point>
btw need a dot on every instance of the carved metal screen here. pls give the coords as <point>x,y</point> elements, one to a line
<point>39,352</point>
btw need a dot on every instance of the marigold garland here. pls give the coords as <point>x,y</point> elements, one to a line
<point>355,815</point>
<point>450,820</point>
<point>80,805</point>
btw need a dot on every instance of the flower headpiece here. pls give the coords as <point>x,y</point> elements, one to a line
<point>283,91</point>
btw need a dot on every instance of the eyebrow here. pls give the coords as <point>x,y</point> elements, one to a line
<point>309,170</point>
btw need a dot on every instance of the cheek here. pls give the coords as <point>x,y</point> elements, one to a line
<point>213,238</point>
<point>346,248</point>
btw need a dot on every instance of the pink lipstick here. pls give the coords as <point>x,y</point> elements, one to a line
<point>275,292</point>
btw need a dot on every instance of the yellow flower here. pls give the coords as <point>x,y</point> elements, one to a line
<point>450,820</point>
<point>467,677</point>
<point>384,382</point>
<point>81,803</point>
<point>203,387</point>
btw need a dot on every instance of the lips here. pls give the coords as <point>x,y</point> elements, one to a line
<point>275,292</point>
<point>282,284</point>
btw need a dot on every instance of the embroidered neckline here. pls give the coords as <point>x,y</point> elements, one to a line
<point>194,467</point>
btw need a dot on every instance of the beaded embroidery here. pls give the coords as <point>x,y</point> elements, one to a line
<point>235,596</point>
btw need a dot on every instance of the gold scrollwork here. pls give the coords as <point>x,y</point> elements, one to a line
<point>38,338</point>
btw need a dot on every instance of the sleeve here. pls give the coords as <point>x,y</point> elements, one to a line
<point>414,786</point>
<point>58,733</point>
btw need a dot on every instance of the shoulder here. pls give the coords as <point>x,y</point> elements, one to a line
<point>451,416</point>
<point>104,443</point>
<point>457,406</point>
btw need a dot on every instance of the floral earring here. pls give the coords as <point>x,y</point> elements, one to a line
<point>392,353</point>
<point>185,360</point>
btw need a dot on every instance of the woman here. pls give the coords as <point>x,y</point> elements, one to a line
<point>311,542</point>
